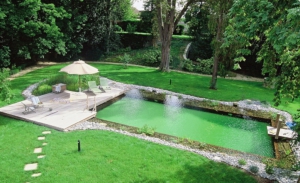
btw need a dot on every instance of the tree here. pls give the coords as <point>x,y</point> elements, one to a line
<point>197,20</point>
<point>275,25</point>
<point>167,19</point>
<point>149,20</point>
<point>217,22</point>
<point>29,30</point>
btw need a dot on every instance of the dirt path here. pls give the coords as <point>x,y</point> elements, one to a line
<point>39,65</point>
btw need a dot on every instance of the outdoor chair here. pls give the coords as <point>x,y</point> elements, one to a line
<point>93,87</point>
<point>103,84</point>
<point>36,102</point>
<point>28,109</point>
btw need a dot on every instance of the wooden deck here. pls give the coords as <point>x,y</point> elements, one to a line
<point>283,133</point>
<point>68,108</point>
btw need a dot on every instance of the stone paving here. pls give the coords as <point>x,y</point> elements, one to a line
<point>37,150</point>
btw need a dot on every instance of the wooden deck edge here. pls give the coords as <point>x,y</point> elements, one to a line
<point>32,121</point>
<point>47,125</point>
<point>83,120</point>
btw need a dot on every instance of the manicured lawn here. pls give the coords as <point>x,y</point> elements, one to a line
<point>195,85</point>
<point>111,157</point>
<point>104,157</point>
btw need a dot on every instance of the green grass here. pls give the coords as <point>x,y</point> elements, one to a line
<point>104,157</point>
<point>196,85</point>
<point>111,157</point>
<point>191,84</point>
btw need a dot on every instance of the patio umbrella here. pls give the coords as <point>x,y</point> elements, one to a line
<point>79,68</point>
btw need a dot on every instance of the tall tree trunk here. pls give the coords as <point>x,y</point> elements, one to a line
<point>165,47</point>
<point>108,11</point>
<point>166,21</point>
<point>213,83</point>
<point>166,32</point>
<point>165,56</point>
<point>108,38</point>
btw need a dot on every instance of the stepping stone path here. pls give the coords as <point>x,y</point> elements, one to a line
<point>32,166</point>
<point>41,138</point>
<point>41,156</point>
<point>38,150</point>
<point>36,174</point>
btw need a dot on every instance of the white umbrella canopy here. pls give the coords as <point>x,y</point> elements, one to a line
<point>79,68</point>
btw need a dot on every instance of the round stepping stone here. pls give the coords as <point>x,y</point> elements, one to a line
<point>37,150</point>
<point>46,132</point>
<point>32,166</point>
<point>41,138</point>
<point>36,174</point>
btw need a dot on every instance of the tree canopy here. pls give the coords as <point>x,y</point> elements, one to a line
<point>31,29</point>
<point>273,27</point>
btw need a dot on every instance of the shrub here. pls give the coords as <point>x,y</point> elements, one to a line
<point>242,162</point>
<point>125,59</point>
<point>14,70</point>
<point>152,57</point>
<point>70,80</point>
<point>130,28</point>
<point>204,66</point>
<point>202,145</point>
<point>146,130</point>
<point>5,91</point>
<point>118,28</point>
<point>254,169</point>
<point>269,169</point>
<point>188,65</point>
<point>296,166</point>
<point>43,89</point>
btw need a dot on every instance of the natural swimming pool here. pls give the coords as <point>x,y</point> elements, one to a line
<point>171,118</point>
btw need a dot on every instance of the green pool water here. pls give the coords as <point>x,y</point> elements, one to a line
<point>170,118</point>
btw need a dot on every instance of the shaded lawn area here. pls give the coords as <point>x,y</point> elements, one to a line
<point>104,157</point>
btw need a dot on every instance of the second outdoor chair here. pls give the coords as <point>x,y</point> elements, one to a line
<point>103,84</point>
<point>93,87</point>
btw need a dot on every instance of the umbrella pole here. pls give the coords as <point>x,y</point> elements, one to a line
<point>79,83</point>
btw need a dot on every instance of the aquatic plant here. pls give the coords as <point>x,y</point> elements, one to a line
<point>253,169</point>
<point>202,145</point>
<point>242,162</point>
<point>146,130</point>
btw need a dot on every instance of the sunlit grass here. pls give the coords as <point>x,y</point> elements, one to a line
<point>110,157</point>
<point>104,157</point>
<point>196,85</point>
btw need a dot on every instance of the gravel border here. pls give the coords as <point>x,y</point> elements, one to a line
<point>281,175</point>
